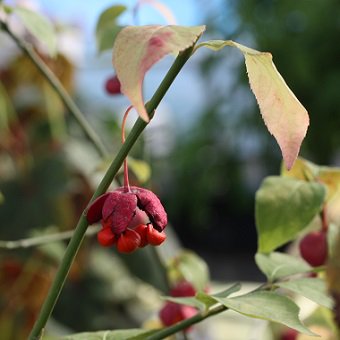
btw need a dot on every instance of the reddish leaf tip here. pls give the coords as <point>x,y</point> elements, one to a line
<point>137,48</point>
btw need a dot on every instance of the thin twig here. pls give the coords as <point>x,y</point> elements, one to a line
<point>42,240</point>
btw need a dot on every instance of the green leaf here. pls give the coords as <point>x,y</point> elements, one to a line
<point>204,301</point>
<point>2,198</point>
<point>110,335</point>
<point>302,169</point>
<point>321,320</point>
<point>225,293</point>
<point>305,170</point>
<point>284,207</point>
<point>190,267</point>
<point>191,301</point>
<point>39,26</point>
<point>268,306</point>
<point>107,29</point>
<point>312,288</point>
<point>329,176</point>
<point>209,300</point>
<point>283,114</point>
<point>277,265</point>
<point>137,48</point>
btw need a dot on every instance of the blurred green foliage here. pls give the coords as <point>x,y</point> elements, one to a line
<point>304,42</point>
<point>211,176</point>
<point>47,176</point>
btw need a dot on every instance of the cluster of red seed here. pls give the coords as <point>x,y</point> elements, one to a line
<point>131,239</point>
<point>131,218</point>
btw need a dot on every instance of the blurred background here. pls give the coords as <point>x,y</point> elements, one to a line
<point>207,149</point>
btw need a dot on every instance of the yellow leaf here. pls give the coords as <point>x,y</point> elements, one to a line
<point>285,117</point>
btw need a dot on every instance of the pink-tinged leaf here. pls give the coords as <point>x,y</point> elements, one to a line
<point>285,117</point>
<point>137,48</point>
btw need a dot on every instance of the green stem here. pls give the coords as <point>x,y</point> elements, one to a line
<point>58,87</point>
<point>180,326</point>
<point>80,230</point>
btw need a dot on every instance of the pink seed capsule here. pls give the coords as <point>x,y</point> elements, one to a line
<point>122,211</point>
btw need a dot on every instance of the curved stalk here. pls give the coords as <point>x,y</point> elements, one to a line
<point>126,168</point>
<point>82,225</point>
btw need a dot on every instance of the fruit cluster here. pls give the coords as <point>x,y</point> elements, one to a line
<point>131,218</point>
